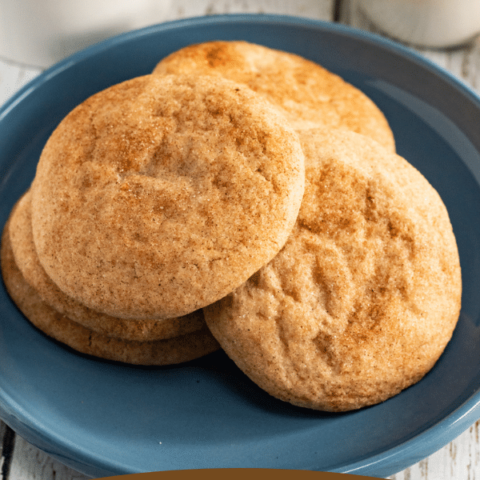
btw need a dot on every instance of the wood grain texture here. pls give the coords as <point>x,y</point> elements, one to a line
<point>13,77</point>
<point>319,9</point>
<point>460,460</point>
<point>30,463</point>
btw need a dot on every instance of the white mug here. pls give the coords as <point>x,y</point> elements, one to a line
<point>42,32</point>
<point>429,23</point>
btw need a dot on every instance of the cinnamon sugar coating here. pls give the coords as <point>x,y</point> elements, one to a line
<point>365,295</point>
<point>20,229</point>
<point>160,195</point>
<point>306,93</point>
<point>158,352</point>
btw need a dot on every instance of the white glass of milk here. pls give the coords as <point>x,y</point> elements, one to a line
<point>42,32</point>
<point>429,23</point>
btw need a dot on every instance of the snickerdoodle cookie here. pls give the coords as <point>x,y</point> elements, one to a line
<point>159,352</point>
<point>365,295</point>
<point>20,229</point>
<point>162,194</point>
<point>305,92</point>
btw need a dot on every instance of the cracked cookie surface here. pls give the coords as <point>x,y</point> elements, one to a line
<point>365,295</point>
<point>170,351</point>
<point>305,92</point>
<point>20,229</point>
<point>160,195</point>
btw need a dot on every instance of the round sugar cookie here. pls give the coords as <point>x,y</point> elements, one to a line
<point>305,92</point>
<point>20,230</point>
<point>55,325</point>
<point>160,195</point>
<point>365,295</point>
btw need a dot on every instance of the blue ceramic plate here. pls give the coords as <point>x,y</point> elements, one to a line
<point>108,419</point>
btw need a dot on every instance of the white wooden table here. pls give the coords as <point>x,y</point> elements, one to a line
<point>460,460</point>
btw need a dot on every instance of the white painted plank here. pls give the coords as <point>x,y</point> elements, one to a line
<point>459,460</point>
<point>463,63</point>
<point>319,9</point>
<point>30,463</point>
<point>8,80</point>
<point>13,77</point>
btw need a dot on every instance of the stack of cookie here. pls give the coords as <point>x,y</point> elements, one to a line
<point>151,200</point>
<point>243,196</point>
